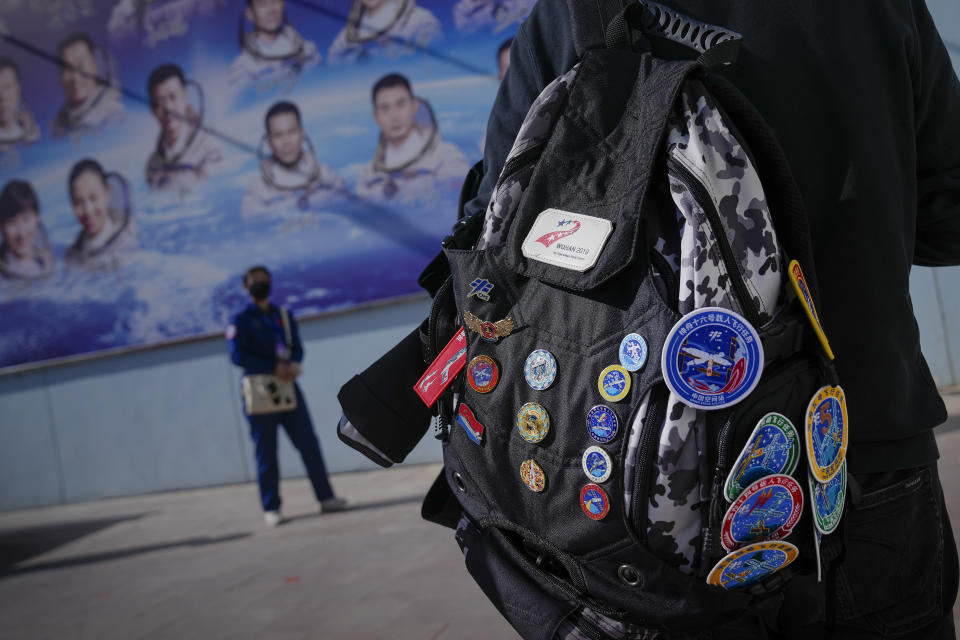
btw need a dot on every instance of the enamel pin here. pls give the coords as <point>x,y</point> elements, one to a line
<point>633,352</point>
<point>533,476</point>
<point>532,422</point>
<point>470,424</point>
<point>614,383</point>
<point>483,374</point>
<point>827,431</point>
<point>773,447</point>
<point>597,464</point>
<point>594,502</point>
<point>481,287</point>
<point>602,423</point>
<point>540,369</point>
<point>489,331</point>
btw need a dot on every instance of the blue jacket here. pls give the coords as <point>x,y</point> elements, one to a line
<point>252,339</point>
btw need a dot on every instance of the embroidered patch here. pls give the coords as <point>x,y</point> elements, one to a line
<point>712,358</point>
<point>767,510</point>
<point>773,447</point>
<point>826,433</point>
<point>828,500</point>
<point>443,370</point>
<point>751,563</point>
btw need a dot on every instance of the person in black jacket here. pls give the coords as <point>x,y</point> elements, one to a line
<point>258,344</point>
<point>865,103</point>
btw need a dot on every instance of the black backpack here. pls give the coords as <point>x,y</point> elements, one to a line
<point>633,266</point>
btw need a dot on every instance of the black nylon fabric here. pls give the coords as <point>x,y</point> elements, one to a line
<point>618,140</point>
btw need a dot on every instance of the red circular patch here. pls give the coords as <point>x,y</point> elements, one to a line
<point>483,374</point>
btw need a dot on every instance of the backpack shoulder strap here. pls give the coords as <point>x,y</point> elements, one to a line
<point>287,338</point>
<point>589,19</point>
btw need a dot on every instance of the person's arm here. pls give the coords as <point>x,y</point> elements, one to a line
<point>238,342</point>
<point>937,117</point>
<point>542,50</point>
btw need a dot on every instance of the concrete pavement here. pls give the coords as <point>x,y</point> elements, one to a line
<point>201,564</point>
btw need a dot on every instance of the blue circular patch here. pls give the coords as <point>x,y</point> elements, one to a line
<point>540,369</point>
<point>766,510</point>
<point>633,352</point>
<point>713,358</point>
<point>602,423</point>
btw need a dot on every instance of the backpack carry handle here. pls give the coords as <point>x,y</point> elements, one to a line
<point>716,45</point>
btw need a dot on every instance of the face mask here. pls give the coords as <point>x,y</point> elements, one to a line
<point>260,290</point>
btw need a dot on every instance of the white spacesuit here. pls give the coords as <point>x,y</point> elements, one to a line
<point>101,108</point>
<point>308,185</point>
<point>181,166</point>
<point>416,169</point>
<point>22,131</point>
<point>394,25</point>
<point>116,240</point>
<point>286,56</point>
<point>155,20</point>
<point>499,14</point>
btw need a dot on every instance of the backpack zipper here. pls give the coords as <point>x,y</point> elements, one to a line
<point>703,198</point>
<point>517,162</point>
<point>652,426</point>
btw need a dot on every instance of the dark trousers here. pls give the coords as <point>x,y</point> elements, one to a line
<point>299,428</point>
<point>898,575</point>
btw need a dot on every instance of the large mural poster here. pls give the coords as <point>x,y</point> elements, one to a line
<point>151,150</point>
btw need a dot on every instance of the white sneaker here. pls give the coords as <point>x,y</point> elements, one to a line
<point>331,505</point>
<point>272,518</point>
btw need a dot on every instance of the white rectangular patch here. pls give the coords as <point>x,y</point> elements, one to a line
<point>568,240</point>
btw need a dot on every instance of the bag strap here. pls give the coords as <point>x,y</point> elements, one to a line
<point>716,45</point>
<point>286,328</point>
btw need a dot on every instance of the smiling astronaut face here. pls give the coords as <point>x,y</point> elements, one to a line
<point>90,196</point>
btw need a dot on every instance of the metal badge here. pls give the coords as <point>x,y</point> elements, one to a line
<point>489,331</point>
<point>773,447</point>
<point>828,499</point>
<point>594,502</point>
<point>597,464</point>
<point>481,287</point>
<point>602,423</point>
<point>751,563</point>
<point>540,369</point>
<point>614,383</point>
<point>827,433</point>
<point>533,476</point>
<point>803,293</point>
<point>483,374</point>
<point>532,422</point>
<point>712,358</point>
<point>766,510</point>
<point>633,352</point>
<point>470,424</point>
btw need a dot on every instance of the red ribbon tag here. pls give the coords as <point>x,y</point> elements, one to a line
<point>443,370</point>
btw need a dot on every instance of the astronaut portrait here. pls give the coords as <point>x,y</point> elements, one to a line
<point>153,21</point>
<point>290,176</point>
<point>395,26</point>
<point>411,161</point>
<point>102,207</point>
<point>25,252</point>
<point>91,99</point>
<point>185,155</point>
<point>470,15</point>
<point>17,125</point>
<point>272,50</point>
